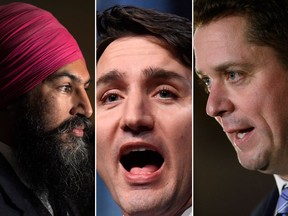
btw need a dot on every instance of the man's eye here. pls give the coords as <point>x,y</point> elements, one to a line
<point>110,98</point>
<point>87,88</point>
<point>206,83</point>
<point>65,88</point>
<point>232,76</point>
<point>165,93</point>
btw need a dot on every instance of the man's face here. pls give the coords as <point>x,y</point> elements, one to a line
<point>53,130</point>
<point>248,93</point>
<point>65,94</point>
<point>144,119</point>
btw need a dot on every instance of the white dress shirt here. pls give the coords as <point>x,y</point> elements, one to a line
<point>281,183</point>
<point>188,212</point>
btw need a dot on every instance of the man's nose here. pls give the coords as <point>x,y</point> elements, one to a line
<point>81,104</point>
<point>137,115</point>
<point>218,103</point>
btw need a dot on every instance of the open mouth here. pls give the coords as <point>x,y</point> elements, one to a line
<point>242,133</point>
<point>141,161</point>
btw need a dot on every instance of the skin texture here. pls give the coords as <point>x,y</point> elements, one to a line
<point>247,87</point>
<point>144,105</point>
<point>64,97</point>
<point>64,92</point>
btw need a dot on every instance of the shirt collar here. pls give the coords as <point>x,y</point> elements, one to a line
<point>281,183</point>
<point>188,212</point>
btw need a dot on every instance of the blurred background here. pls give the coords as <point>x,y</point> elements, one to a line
<point>105,204</point>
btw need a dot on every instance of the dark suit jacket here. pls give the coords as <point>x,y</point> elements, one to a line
<point>15,198</point>
<point>268,205</point>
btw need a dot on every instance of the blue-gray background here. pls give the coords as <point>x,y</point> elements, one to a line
<point>105,204</point>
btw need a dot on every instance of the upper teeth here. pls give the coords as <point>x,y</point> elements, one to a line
<point>240,135</point>
<point>135,150</point>
<point>139,149</point>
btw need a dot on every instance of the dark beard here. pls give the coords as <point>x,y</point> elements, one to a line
<point>55,161</point>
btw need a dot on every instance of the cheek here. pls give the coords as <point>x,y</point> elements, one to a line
<point>266,107</point>
<point>106,127</point>
<point>106,131</point>
<point>275,113</point>
<point>178,129</point>
<point>54,112</point>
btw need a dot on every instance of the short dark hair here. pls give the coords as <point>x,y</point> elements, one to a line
<point>121,21</point>
<point>267,21</point>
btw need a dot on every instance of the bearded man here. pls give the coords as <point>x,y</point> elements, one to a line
<point>44,111</point>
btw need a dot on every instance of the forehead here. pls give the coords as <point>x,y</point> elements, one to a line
<point>225,36</point>
<point>221,29</point>
<point>131,54</point>
<point>76,70</point>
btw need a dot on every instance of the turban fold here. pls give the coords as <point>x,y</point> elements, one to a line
<point>33,45</point>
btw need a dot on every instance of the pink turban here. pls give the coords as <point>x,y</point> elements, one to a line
<point>33,45</point>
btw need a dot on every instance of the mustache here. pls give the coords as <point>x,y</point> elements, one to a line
<point>69,124</point>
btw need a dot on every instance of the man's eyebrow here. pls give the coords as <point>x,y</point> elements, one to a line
<point>225,66</point>
<point>71,76</point>
<point>113,75</point>
<point>160,73</point>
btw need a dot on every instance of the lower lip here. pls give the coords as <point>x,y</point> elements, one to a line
<point>143,178</point>
<point>78,132</point>
<point>242,143</point>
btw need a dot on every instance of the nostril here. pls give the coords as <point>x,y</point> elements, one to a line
<point>136,129</point>
<point>220,114</point>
